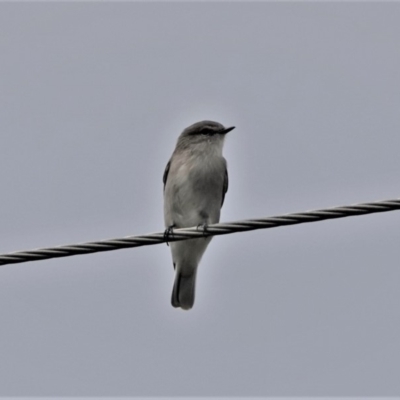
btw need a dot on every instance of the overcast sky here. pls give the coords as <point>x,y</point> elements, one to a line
<point>92,99</point>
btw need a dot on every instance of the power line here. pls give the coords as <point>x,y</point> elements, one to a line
<point>195,232</point>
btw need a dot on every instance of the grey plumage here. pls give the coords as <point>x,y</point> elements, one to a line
<point>195,183</point>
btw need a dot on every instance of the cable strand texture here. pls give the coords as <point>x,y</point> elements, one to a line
<point>194,232</point>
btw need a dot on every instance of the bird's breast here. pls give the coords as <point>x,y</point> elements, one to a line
<point>194,189</point>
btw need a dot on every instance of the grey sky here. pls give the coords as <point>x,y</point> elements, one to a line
<point>92,99</point>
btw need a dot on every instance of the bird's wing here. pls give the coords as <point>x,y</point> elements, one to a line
<point>225,185</point>
<point>165,176</point>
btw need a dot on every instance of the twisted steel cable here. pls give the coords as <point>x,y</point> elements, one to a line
<point>195,232</point>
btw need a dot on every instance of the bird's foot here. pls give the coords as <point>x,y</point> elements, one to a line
<point>203,227</point>
<point>169,232</point>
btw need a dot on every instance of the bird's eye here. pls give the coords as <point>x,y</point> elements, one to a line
<point>207,131</point>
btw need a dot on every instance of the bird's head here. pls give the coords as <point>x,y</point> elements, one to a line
<point>206,129</point>
<point>204,132</point>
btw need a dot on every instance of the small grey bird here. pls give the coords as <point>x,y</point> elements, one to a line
<point>195,183</point>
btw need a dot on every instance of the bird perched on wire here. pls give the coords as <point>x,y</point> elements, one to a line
<point>195,183</point>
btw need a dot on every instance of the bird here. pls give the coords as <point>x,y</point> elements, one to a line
<point>195,183</point>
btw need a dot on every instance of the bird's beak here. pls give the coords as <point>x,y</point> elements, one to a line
<point>226,130</point>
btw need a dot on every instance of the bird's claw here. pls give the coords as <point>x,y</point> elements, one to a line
<point>169,232</point>
<point>203,227</point>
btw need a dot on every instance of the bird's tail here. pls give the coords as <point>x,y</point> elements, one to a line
<point>184,290</point>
